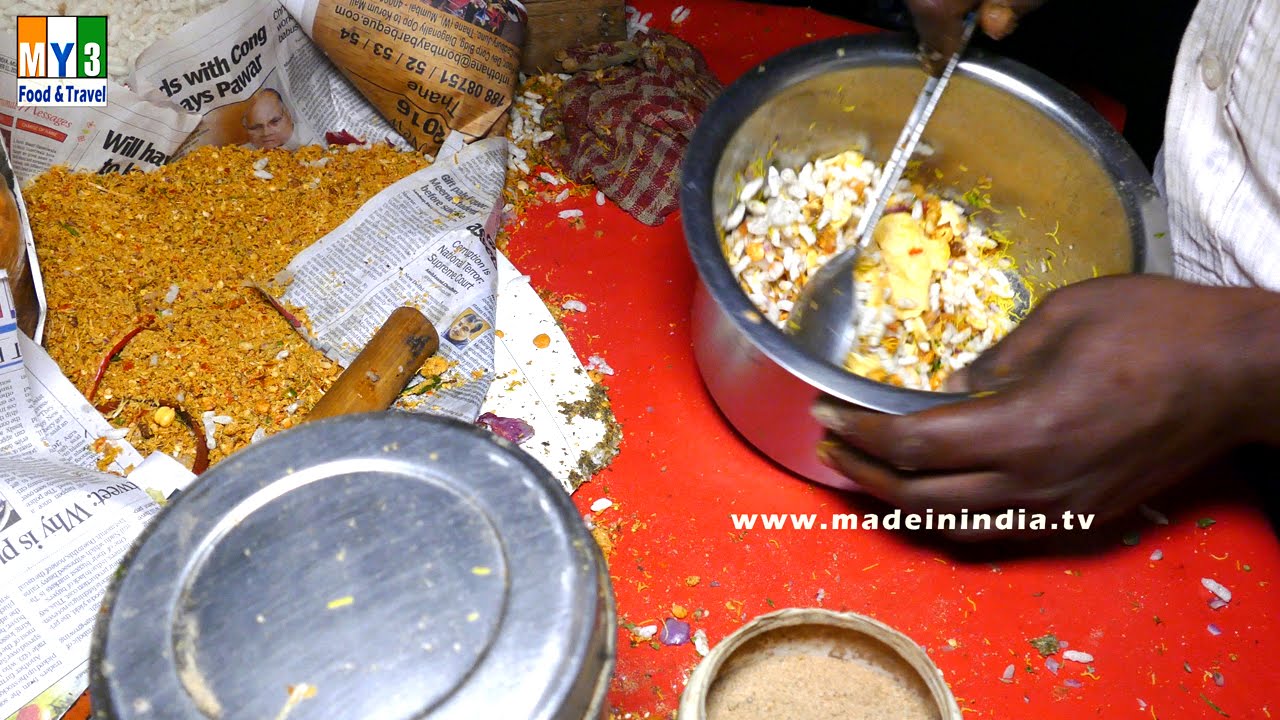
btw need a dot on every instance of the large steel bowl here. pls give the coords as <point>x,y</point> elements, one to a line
<point>1069,189</point>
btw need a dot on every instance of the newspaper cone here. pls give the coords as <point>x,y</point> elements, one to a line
<point>428,66</point>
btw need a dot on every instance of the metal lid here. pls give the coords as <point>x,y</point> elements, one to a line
<point>371,566</point>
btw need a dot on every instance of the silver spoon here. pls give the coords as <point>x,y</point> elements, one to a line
<point>824,318</point>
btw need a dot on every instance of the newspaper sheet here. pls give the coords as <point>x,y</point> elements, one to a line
<point>544,385</point>
<point>17,247</point>
<point>241,74</point>
<point>245,74</point>
<point>433,68</point>
<point>130,133</point>
<point>426,241</point>
<point>64,524</point>
<point>198,86</point>
<point>254,78</point>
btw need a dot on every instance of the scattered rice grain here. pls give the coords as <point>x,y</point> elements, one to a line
<point>1216,588</point>
<point>1077,656</point>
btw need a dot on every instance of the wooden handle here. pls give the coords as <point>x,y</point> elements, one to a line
<point>383,368</point>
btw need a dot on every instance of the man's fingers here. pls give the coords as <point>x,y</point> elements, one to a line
<point>966,507</point>
<point>953,493</point>
<point>999,18</point>
<point>977,434</point>
<point>1022,352</point>
<point>959,382</point>
<point>875,478</point>
<point>1008,362</point>
<point>943,493</point>
<point>940,24</point>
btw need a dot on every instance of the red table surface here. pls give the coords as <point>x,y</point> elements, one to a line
<point>683,470</point>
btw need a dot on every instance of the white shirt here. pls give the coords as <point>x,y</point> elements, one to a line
<point>1221,157</point>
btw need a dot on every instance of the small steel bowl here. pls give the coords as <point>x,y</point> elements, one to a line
<point>1070,191</point>
<point>822,633</point>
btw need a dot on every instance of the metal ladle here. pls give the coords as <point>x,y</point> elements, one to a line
<point>824,318</point>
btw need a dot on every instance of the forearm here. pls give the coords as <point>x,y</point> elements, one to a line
<point>1248,357</point>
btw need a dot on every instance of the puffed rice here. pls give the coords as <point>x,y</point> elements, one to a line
<point>786,223</point>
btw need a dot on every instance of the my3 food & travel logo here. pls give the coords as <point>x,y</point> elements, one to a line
<point>62,61</point>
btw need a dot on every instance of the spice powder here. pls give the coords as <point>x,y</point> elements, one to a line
<point>168,256</point>
<point>813,687</point>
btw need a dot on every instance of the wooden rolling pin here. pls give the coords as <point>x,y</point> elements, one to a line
<point>382,369</point>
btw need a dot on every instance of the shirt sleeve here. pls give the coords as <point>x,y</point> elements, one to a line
<point>1220,167</point>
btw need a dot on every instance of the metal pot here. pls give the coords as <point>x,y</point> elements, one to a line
<point>1070,190</point>
<point>382,565</point>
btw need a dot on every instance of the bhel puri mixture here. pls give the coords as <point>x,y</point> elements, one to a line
<point>161,288</point>
<point>934,285</point>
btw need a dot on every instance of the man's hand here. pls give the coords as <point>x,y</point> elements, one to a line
<point>940,22</point>
<point>1110,391</point>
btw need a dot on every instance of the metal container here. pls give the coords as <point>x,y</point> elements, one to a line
<point>370,566</point>
<point>821,633</point>
<point>1057,170</point>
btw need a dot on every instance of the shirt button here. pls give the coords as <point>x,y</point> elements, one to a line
<point>1211,71</point>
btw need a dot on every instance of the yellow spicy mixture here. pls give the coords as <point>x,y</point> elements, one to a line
<point>934,291</point>
<point>163,259</point>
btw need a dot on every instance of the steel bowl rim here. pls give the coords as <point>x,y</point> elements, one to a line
<point>734,107</point>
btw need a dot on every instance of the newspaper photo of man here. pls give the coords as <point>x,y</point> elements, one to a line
<point>267,120</point>
<point>466,328</point>
<point>8,515</point>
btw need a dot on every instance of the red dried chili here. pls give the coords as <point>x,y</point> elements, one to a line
<point>288,316</point>
<point>342,137</point>
<point>114,351</point>
<point>201,463</point>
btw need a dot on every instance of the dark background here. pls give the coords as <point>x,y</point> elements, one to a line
<point>1123,48</point>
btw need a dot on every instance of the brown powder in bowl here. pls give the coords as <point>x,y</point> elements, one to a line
<point>813,687</point>
<point>817,665</point>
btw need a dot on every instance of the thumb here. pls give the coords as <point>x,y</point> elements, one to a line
<point>940,24</point>
<point>999,18</point>
<point>1021,352</point>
